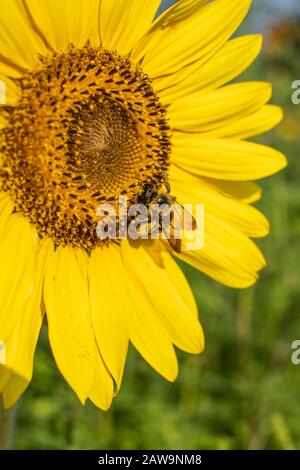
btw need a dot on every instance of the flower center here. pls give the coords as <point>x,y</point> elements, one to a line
<point>88,128</point>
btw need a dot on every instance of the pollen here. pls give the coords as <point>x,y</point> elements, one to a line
<point>88,128</point>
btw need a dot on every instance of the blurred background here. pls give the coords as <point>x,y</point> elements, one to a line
<point>243,392</point>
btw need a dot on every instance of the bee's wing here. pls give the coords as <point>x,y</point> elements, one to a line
<point>180,211</point>
<point>174,243</point>
<point>172,231</point>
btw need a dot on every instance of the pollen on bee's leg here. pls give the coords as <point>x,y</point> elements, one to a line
<point>88,128</point>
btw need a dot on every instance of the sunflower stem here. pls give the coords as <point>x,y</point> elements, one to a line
<point>7,424</point>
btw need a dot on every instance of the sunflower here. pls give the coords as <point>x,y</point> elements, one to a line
<point>101,97</point>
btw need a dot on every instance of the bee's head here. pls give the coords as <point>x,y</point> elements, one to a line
<point>162,199</point>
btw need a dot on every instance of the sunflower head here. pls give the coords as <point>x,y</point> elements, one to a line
<point>88,128</point>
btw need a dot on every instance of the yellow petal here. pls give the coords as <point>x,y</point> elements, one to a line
<point>10,69</point>
<point>229,62</point>
<point>12,391</point>
<point>5,375</point>
<point>9,92</point>
<point>227,256</point>
<point>20,346</point>
<point>216,109</point>
<point>69,321</point>
<point>180,283</point>
<point>183,325</point>
<point>64,22</point>
<point>19,42</point>
<point>124,22</point>
<point>108,308</point>
<point>171,17</point>
<point>145,330</point>
<point>169,306</point>
<point>18,252</point>
<point>6,209</point>
<point>3,123</point>
<point>245,191</point>
<point>206,264</point>
<point>180,11</point>
<point>192,190</point>
<point>225,159</point>
<point>4,200</point>
<point>195,38</point>
<point>102,390</point>
<point>254,124</point>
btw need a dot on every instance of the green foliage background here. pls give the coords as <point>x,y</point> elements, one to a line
<point>243,392</point>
